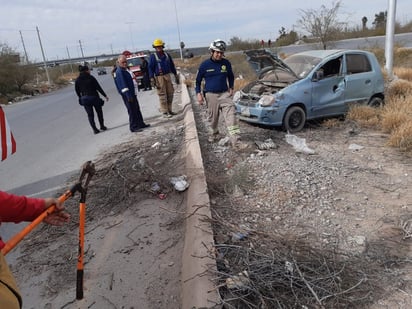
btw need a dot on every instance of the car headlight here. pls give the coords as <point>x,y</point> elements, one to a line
<point>236,96</point>
<point>267,100</point>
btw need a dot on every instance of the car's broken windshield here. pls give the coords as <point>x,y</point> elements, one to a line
<point>302,65</point>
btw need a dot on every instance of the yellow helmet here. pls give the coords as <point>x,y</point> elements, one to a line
<point>158,42</point>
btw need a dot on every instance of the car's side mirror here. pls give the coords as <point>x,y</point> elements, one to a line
<point>318,76</point>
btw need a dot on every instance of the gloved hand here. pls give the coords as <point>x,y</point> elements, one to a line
<point>153,83</point>
<point>177,79</point>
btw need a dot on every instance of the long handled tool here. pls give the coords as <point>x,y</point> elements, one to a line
<point>87,172</point>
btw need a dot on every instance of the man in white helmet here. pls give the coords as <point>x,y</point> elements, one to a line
<point>218,91</point>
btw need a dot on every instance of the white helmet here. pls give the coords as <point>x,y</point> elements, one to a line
<point>218,45</point>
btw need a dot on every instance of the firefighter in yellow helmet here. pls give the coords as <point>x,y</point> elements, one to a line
<point>161,66</point>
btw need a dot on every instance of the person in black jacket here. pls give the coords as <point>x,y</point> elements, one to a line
<point>144,67</point>
<point>87,88</point>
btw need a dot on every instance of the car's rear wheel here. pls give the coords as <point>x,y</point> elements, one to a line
<point>375,102</point>
<point>295,119</point>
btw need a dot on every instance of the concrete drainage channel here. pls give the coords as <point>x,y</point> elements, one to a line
<point>198,290</point>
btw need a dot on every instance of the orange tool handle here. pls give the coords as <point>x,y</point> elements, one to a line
<point>82,222</point>
<point>20,235</point>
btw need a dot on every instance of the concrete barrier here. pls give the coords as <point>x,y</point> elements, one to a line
<point>198,290</point>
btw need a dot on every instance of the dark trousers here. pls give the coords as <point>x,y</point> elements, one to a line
<point>135,115</point>
<point>91,104</point>
<point>146,81</point>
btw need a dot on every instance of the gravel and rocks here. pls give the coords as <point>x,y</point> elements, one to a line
<point>333,187</point>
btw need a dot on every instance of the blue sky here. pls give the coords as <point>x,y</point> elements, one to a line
<point>111,26</point>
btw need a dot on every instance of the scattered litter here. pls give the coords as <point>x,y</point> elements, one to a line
<point>239,236</point>
<point>155,187</point>
<point>224,141</point>
<point>355,147</point>
<point>180,183</point>
<point>240,281</point>
<point>289,267</point>
<point>299,144</point>
<point>156,145</point>
<point>162,196</point>
<point>266,145</point>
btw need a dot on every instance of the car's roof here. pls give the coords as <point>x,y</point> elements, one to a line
<point>320,53</point>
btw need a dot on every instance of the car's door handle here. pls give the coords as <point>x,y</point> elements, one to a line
<point>335,87</point>
<point>368,81</point>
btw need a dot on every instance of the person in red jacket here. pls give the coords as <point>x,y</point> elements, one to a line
<point>14,208</point>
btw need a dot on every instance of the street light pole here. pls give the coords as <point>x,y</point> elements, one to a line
<point>390,32</point>
<point>178,31</point>
<point>24,48</point>
<point>131,34</point>
<point>44,58</point>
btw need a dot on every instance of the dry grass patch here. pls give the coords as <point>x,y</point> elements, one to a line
<point>403,73</point>
<point>240,83</point>
<point>365,115</point>
<point>396,112</point>
<point>399,88</point>
<point>401,137</point>
<point>331,123</point>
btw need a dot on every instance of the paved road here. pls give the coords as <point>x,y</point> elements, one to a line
<point>54,138</point>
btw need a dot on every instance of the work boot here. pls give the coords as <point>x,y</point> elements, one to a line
<point>96,131</point>
<point>103,128</point>
<point>172,113</point>
<point>167,115</point>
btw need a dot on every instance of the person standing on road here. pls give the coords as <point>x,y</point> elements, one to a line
<point>161,65</point>
<point>218,91</point>
<point>145,69</point>
<point>125,87</point>
<point>15,209</point>
<point>87,88</point>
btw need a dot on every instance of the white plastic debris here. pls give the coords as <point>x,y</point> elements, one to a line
<point>240,281</point>
<point>180,183</point>
<point>355,147</point>
<point>299,144</point>
<point>156,145</point>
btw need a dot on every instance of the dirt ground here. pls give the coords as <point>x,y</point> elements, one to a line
<point>342,205</point>
<point>133,237</point>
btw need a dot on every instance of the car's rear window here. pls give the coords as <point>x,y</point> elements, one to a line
<point>357,63</point>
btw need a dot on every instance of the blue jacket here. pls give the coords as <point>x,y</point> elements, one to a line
<point>218,76</point>
<point>161,64</point>
<point>124,83</point>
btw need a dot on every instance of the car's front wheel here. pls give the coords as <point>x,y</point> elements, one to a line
<point>295,119</point>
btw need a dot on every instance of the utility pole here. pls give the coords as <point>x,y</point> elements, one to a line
<point>131,34</point>
<point>81,49</point>
<point>178,32</point>
<point>44,58</point>
<point>70,60</point>
<point>390,33</point>
<point>24,47</point>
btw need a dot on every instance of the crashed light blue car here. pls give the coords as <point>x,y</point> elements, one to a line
<point>308,85</point>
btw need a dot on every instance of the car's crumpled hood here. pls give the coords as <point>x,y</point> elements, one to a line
<point>272,74</point>
<point>264,61</point>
